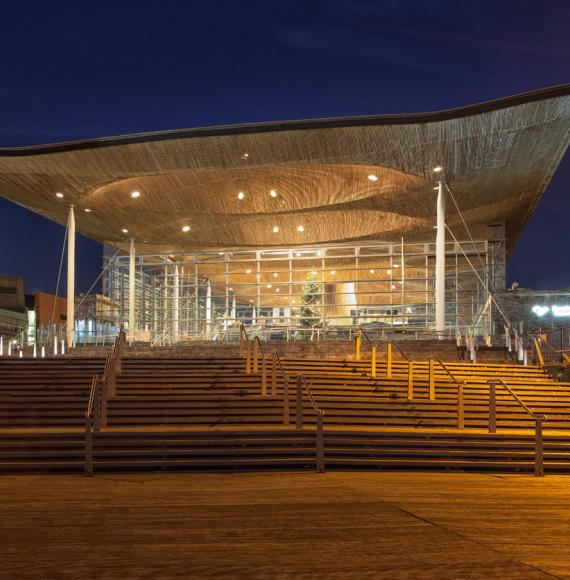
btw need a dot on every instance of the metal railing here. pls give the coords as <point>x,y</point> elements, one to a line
<point>460,388</point>
<point>320,443</point>
<point>102,387</point>
<point>538,418</point>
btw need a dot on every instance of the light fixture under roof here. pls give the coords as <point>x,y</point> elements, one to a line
<point>396,265</point>
<point>372,271</point>
<point>393,287</point>
<point>273,193</point>
<point>388,271</point>
<point>275,229</point>
<point>135,194</point>
<point>248,271</point>
<point>59,194</point>
<point>373,177</point>
<point>269,286</point>
<point>277,290</point>
<point>186,228</point>
<point>125,230</point>
<point>293,301</point>
<point>275,274</point>
<point>301,229</point>
<point>333,272</point>
<point>87,210</point>
<point>251,301</point>
<point>244,155</point>
<point>240,195</point>
<point>438,168</point>
<point>231,289</point>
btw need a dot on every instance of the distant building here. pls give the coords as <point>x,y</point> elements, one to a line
<point>13,312</point>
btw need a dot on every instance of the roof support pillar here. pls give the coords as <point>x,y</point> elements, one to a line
<point>132,278</point>
<point>440,264</point>
<point>176,305</point>
<point>70,324</point>
<point>209,311</point>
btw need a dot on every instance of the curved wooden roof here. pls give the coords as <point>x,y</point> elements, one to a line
<point>498,158</point>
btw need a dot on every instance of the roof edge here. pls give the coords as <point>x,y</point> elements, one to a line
<point>276,126</point>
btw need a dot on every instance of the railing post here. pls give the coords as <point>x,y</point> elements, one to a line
<point>389,360</point>
<point>255,355</point>
<point>357,345</point>
<point>410,381</point>
<point>373,362</point>
<point>104,385</point>
<point>286,418</point>
<point>460,406</point>
<point>241,342</point>
<point>247,357</point>
<point>111,380</point>
<point>492,408</point>
<point>431,379</point>
<point>299,403</point>
<point>88,460</point>
<point>274,375</point>
<point>97,407</point>
<point>320,464</point>
<point>538,449</point>
<point>263,376</point>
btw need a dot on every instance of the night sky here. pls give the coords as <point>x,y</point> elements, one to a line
<point>74,70</point>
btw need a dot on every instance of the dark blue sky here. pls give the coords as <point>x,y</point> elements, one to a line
<point>75,70</point>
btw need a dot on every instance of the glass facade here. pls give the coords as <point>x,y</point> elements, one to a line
<point>313,292</point>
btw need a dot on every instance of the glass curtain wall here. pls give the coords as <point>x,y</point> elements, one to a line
<point>305,293</point>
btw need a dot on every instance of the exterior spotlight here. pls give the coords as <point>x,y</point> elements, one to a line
<point>373,177</point>
<point>240,195</point>
<point>301,229</point>
<point>273,193</point>
<point>438,169</point>
<point>125,231</point>
<point>87,210</point>
<point>275,229</point>
<point>136,194</point>
<point>59,195</point>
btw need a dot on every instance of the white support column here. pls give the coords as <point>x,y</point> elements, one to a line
<point>233,313</point>
<point>132,278</point>
<point>176,305</point>
<point>440,264</point>
<point>209,311</point>
<point>70,324</point>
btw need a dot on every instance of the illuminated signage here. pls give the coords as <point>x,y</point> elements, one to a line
<point>558,311</point>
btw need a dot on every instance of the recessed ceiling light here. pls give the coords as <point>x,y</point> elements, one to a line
<point>297,254</point>
<point>248,271</point>
<point>220,253</point>
<point>240,195</point>
<point>301,229</point>
<point>373,177</point>
<point>319,252</point>
<point>276,289</point>
<point>275,274</point>
<point>186,228</point>
<point>275,229</point>
<point>438,168</point>
<point>87,210</point>
<point>372,271</point>
<point>135,194</point>
<point>269,286</point>
<point>333,272</point>
<point>393,287</point>
<point>293,301</point>
<point>396,265</point>
<point>125,231</point>
<point>388,271</point>
<point>273,193</point>
<point>59,194</point>
<point>251,301</point>
<point>245,155</point>
<point>231,289</point>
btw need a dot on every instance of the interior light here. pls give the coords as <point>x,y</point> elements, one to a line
<point>388,271</point>
<point>293,301</point>
<point>251,301</point>
<point>275,274</point>
<point>438,168</point>
<point>396,265</point>
<point>59,194</point>
<point>125,231</point>
<point>248,271</point>
<point>333,272</point>
<point>231,289</point>
<point>240,195</point>
<point>186,229</point>
<point>393,287</point>
<point>373,177</point>
<point>276,289</point>
<point>372,271</point>
<point>136,194</point>
<point>319,252</point>
<point>275,229</point>
<point>245,155</point>
<point>273,193</point>
<point>269,286</point>
<point>314,273</point>
<point>301,229</point>
<point>87,210</point>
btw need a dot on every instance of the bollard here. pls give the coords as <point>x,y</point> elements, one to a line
<point>43,352</point>
<point>460,406</point>
<point>255,355</point>
<point>538,450</point>
<point>274,375</point>
<point>373,362</point>
<point>286,418</point>
<point>247,357</point>
<point>299,404</point>
<point>410,381</point>
<point>35,350</point>
<point>1,346</point>
<point>263,376</point>
<point>320,464</point>
<point>492,408</point>
<point>357,345</point>
<point>389,360</point>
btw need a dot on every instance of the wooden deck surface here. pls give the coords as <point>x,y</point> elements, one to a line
<point>285,525</point>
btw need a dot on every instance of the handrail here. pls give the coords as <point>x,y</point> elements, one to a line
<point>316,408</point>
<point>444,367</point>
<point>320,440</point>
<point>365,334</point>
<point>517,399</point>
<point>394,343</point>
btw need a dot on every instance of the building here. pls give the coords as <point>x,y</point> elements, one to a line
<point>13,313</point>
<point>307,228</point>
